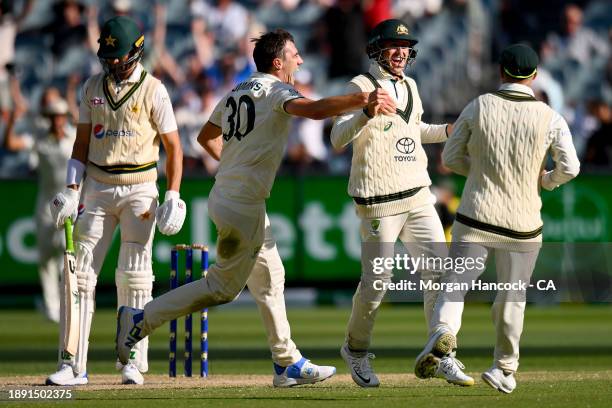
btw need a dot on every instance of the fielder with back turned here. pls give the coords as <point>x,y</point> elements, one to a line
<point>500,143</point>
<point>248,133</point>
<point>124,114</point>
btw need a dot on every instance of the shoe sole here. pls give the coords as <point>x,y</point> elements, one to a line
<point>75,381</point>
<point>131,382</point>
<point>493,383</point>
<point>438,346</point>
<point>461,383</point>
<point>301,381</point>
<point>357,380</point>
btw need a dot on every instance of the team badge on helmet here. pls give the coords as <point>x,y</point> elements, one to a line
<point>120,36</point>
<point>110,41</point>
<point>390,30</point>
<point>402,30</point>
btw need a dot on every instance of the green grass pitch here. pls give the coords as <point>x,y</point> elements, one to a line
<point>566,361</point>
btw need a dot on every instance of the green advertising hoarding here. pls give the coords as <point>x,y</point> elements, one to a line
<point>313,220</point>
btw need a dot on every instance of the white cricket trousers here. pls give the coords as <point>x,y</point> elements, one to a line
<point>420,230</point>
<point>508,309</point>
<point>246,255</point>
<point>106,206</point>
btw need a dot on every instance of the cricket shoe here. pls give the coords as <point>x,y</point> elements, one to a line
<point>500,380</point>
<point>302,372</point>
<point>359,366</point>
<point>440,344</point>
<point>66,376</point>
<point>129,329</point>
<point>131,375</point>
<point>451,369</point>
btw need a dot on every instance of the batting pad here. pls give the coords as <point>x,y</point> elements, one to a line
<point>134,279</point>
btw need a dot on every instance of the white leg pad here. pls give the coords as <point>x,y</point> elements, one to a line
<point>134,279</point>
<point>86,282</point>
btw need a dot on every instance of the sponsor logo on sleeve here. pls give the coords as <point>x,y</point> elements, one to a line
<point>96,101</point>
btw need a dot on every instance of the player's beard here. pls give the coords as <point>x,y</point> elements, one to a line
<point>290,78</point>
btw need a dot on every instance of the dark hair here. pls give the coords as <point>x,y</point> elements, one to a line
<point>269,46</point>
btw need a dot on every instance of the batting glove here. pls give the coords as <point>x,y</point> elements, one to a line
<point>170,216</point>
<point>65,204</point>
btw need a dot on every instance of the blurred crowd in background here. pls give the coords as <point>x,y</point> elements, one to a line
<point>201,49</point>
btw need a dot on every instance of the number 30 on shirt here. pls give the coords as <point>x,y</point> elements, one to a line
<point>235,119</point>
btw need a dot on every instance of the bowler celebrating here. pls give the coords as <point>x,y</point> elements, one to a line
<point>248,132</point>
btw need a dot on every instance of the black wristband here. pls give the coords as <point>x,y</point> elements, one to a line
<point>365,111</point>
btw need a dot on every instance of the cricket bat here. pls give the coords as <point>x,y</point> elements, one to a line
<point>70,298</point>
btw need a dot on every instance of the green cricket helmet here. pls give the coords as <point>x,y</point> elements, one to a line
<point>390,30</point>
<point>120,36</point>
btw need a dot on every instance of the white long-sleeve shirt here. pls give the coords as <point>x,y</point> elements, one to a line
<point>559,140</point>
<point>389,166</point>
<point>346,127</point>
<point>500,143</point>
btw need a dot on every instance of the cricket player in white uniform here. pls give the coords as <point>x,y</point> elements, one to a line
<point>124,113</point>
<point>248,132</point>
<point>51,148</point>
<point>389,184</point>
<point>500,143</point>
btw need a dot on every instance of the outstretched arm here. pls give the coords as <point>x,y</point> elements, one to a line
<point>348,126</point>
<point>326,107</point>
<point>13,142</point>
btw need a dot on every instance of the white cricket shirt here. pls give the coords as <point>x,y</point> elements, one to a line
<point>255,129</point>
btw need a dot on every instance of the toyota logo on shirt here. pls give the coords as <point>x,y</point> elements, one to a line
<point>405,145</point>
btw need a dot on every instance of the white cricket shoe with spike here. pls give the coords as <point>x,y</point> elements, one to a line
<point>359,365</point>
<point>500,380</point>
<point>131,375</point>
<point>440,344</point>
<point>66,376</point>
<point>451,369</point>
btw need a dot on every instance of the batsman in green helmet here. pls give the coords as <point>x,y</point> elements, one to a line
<point>121,47</point>
<point>389,184</point>
<point>124,115</point>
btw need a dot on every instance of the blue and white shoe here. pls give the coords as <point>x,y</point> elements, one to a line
<point>302,372</point>
<point>129,331</point>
